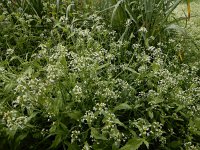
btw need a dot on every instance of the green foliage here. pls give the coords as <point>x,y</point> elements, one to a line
<point>68,82</point>
<point>130,16</point>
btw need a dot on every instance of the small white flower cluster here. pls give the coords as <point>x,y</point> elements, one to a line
<point>80,63</point>
<point>152,98</point>
<point>160,44</point>
<point>44,131</point>
<point>189,146</point>
<point>107,91</point>
<point>22,90</point>
<point>28,91</point>
<point>142,57</point>
<point>171,41</point>
<point>75,136</point>
<point>143,30</point>
<point>168,82</point>
<point>124,87</point>
<point>89,117</point>
<point>37,86</point>
<point>54,72</point>
<point>78,93</point>
<point>86,146</point>
<point>128,22</point>
<point>21,84</point>
<point>110,127</point>
<point>100,107</point>
<point>14,120</point>
<point>89,60</point>
<point>113,133</point>
<point>2,70</point>
<point>107,94</point>
<point>110,121</point>
<point>142,68</point>
<point>136,46</point>
<point>83,33</point>
<point>10,51</point>
<point>146,129</point>
<point>95,18</point>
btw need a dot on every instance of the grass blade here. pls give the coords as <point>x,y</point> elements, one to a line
<point>188,8</point>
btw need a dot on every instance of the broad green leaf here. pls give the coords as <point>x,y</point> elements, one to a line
<point>103,66</point>
<point>175,144</point>
<point>97,135</point>
<point>155,67</point>
<point>157,100</point>
<point>21,137</point>
<point>76,115</point>
<point>29,71</point>
<point>16,57</point>
<point>57,141</point>
<point>131,70</point>
<point>115,145</point>
<point>9,87</point>
<point>72,146</point>
<point>180,107</point>
<point>150,113</point>
<point>2,17</point>
<point>197,123</point>
<point>146,143</point>
<point>118,15</point>
<point>123,106</point>
<point>133,144</point>
<point>132,132</point>
<point>119,123</point>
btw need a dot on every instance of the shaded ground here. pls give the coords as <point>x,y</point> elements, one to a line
<point>193,29</point>
<point>193,25</point>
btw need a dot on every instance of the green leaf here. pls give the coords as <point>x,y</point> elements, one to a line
<point>146,143</point>
<point>116,121</point>
<point>131,70</point>
<point>9,87</point>
<point>97,135</point>
<point>115,146</point>
<point>123,106</point>
<point>197,123</point>
<point>76,115</point>
<point>57,141</point>
<point>175,144</point>
<point>20,137</point>
<point>29,71</point>
<point>86,146</point>
<point>133,144</point>
<point>180,107</point>
<point>118,15</point>
<point>155,67</point>
<point>150,113</point>
<point>2,17</point>
<point>157,100</point>
<point>72,146</point>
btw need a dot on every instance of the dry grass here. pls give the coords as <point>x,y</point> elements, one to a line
<point>193,25</point>
<point>192,28</point>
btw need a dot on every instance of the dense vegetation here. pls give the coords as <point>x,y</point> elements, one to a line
<point>98,74</point>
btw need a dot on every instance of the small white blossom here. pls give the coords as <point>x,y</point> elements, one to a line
<point>143,30</point>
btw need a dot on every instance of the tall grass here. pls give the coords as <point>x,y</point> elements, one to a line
<point>128,16</point>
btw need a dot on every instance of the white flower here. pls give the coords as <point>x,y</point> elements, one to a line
<point>10,51</point>
<point>143,30</point>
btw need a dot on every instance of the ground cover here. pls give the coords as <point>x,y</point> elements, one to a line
<point>123,76</point>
